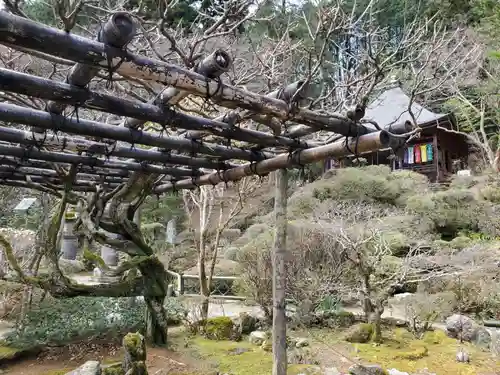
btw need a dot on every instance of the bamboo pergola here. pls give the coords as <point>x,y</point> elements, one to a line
<point>106,154</point>
<point>63,154</point>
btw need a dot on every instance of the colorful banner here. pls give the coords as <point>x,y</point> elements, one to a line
<point>422,153</point>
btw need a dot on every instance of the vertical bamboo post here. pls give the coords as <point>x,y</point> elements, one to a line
<point>279,274</point>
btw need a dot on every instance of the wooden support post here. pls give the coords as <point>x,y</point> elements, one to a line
<point>279,274</point>
<point>436,155</point>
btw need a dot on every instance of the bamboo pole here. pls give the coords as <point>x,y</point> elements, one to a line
<point>76,144</point>
<point>42,119</point>
<point>368,142</point>
<point>42,88</point>
<point>28,34</point>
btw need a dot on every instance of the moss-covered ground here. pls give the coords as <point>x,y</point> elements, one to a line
<point>240,358</point>
<point>434,351</point>
<point>400,350</point>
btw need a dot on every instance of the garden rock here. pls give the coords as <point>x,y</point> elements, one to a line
<point>393,371</point>
<point>301,342</point>
<point>360,333</point>
<point>465,328</point>
<point>88,368</point>
<point>267,346</point>
<point>482,338</point>
<point>71,266</point>
<point>257,337</point>
<point>366,370</point>
<point>462,356</point>
<point>245,323</point>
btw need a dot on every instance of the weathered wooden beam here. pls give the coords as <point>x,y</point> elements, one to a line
<point>53,174</point>
<point>76,144</point>
<point>42,119</point>
<point>58,157</point>
<point>302,130</point>
<point>368,142</point>
<point>117,32</point>
<point>12,176</point>
<point>212,66</point>
<point>72,95</point>
<point>44,188</point>
<point>29,34</point>
<point>12,162</point>
<point>287,93</point>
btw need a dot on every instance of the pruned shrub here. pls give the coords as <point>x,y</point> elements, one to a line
<point>491,194</point>
<point>357,183</point>
<point>218,328</point>
<point>450,211</point>
<point>460,242</point>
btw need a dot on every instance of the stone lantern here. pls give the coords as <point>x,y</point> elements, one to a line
<point>69,241</point>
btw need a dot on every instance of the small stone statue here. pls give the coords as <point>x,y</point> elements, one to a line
<point>97,273</point>
<point>462,356</point>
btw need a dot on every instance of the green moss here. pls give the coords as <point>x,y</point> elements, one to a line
<point>219,328</point>
<point>113,371</point>
<point>93,258</point>
<point>403,352</point>
<point>252,361</point>
<point>70,215</point>
<point>434,337</point>
<point>133,344</point>
<point>63,371</point>
<point>7,352</point>
<point>413,355</point>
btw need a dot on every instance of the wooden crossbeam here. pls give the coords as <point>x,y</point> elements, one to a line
<point>59,142</point>
<point>7,161</point>
<point>59,157</point>
<point>44,172</point>
<point>42,119</point>
<point>368,142</point>
<point>112,35</point>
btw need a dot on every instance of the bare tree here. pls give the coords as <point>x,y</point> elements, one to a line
<point>215,207</point>
<point>376,273</point>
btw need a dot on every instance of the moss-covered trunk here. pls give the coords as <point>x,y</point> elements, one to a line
<point>156,292</point>
<point>376,320</point>
<point>156,321</point>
